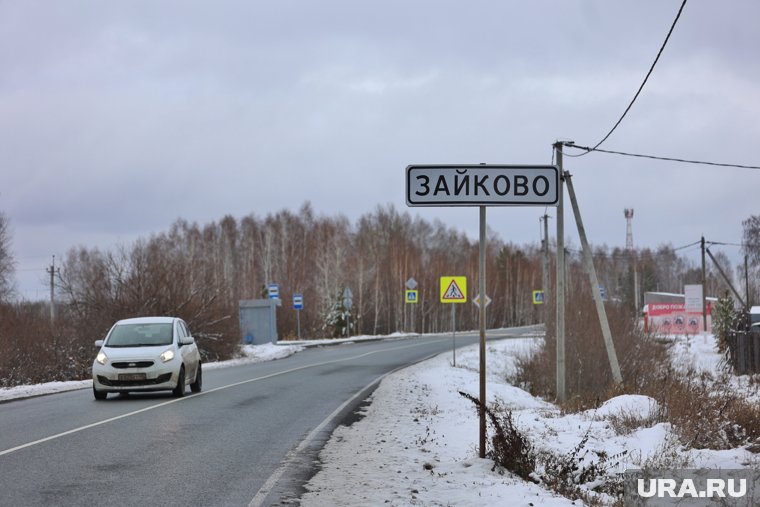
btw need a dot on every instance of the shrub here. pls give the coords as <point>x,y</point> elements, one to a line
<point>588,380</point>
<point>510,448</point>
<point>572,475</point>
<point>724,321</point>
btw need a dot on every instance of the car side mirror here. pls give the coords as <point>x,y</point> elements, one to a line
<point>186,340</point>
<point>99,343</point>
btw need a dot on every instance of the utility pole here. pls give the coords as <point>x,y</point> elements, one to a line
<point>746,280</point>
<point>546,282</point>
<point>560,283</point>
<point>704,286</point>
<point>744,304</point>
<point>52,270</point>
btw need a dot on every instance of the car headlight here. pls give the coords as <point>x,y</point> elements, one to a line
<point>101,358</point>
<point>167,355</point>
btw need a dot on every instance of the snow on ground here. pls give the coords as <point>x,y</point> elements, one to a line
<point>248,354</point>
<point>701,354</point>
<point>417,441</point>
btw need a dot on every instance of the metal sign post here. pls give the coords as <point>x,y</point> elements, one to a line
<point>273,291</point>
<point>453,290</point>
<point>454,334</point>
<point>482,289</point>
<point>348,303</point>
<point>298,306</point>
<point>411,286</point>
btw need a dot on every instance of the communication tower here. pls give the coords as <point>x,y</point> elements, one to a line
<point>628,229</point>
<point>628,212</point>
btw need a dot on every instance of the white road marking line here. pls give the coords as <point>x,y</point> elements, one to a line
<point>176,400</point>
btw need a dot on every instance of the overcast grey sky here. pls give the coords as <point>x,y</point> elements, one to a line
<point>117,118</point>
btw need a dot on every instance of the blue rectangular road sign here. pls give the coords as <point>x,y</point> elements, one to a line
<point>298,301</point>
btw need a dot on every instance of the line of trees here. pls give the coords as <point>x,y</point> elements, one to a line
<point>201,272</point>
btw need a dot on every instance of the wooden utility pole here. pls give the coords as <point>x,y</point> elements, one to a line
<point>722,273</point>
<point>746,280</point>
<point>560,283</point>
<point>704,286</point>
<point>52,271</point>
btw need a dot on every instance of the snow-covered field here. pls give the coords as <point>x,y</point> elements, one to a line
<point>417,441</point>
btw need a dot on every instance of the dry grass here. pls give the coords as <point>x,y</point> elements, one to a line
<point>705,411</point>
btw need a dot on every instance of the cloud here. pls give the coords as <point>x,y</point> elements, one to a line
<point>117,118</point>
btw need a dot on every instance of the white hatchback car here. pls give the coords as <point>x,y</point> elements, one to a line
<point>147,354</point>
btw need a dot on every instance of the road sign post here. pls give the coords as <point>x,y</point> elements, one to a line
<point>411,286</point>
<point>482,185</point>
<point>273,290</point>
<point>348,303</point>
<point>453,290</point>
<point>298,306</point>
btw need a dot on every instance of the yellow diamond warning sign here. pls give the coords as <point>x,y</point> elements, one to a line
<point>453,289</point>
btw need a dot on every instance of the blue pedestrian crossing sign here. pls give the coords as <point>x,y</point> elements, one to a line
<point>538,297</point>
<point>411,296</point>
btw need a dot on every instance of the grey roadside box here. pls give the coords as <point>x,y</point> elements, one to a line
<point>258,321</point>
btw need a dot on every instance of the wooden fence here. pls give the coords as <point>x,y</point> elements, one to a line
<point>744,351</point>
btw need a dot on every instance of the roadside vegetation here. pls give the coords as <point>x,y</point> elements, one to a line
<point>705,410</point>
<point>201,272</point>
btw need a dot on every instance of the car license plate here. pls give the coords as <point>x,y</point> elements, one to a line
<point>131,377</point>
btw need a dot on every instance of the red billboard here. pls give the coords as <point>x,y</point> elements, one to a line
<point>673,318</point>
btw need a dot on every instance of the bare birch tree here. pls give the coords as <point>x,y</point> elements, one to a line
<point>7,261</point>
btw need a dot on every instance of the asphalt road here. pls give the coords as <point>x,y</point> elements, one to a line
<point>250,438</point>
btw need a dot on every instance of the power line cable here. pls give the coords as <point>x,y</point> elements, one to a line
<point>721,243</point>
<point>666,159</point>
<point>687,246</point>
<point>646,78</point>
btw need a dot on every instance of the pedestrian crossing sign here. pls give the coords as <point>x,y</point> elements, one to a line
<point>411,296</point>
<point>453,289</point>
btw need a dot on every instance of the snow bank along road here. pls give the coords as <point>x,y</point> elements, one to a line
<point>250,438</point>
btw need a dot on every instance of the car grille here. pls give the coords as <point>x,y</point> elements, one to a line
<point>132,364</point>
<point>135,383</point>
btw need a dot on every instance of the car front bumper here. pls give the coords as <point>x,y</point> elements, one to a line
<point>106,378</point>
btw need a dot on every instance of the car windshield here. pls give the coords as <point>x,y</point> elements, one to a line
<point>140,335</point>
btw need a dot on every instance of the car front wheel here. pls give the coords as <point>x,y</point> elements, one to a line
<point>99,395</point>
<point>179,391</point>
<point>198,384</point>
